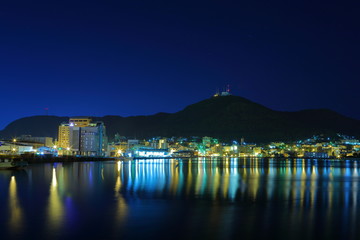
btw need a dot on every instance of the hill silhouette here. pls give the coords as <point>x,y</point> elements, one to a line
<point>228,117</point>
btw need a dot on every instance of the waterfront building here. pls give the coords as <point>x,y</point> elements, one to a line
<point>163,143</point>
<point>257,151</point>
<point>206,141</point>
<point>14,148</point>
<point>350,141</point>
<point>152,143</point>
<point>80,122</point>
<point>82,137</point>
<point>132,143</point>
<point>184,153</point>
<point>34,145</point>
<point>45,141</point>
<point>117,149</point>
<point>63,142</point>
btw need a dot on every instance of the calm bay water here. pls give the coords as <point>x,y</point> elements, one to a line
<point>182,199</point>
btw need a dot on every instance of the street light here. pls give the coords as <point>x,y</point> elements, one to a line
<point>68,151</point>
<point>119,152</point>
<point>14,146</point>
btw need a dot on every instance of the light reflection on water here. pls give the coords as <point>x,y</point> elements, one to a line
<point>15,216</point>
<point>121,206</point>
<point>55,203</point>
<point>224,198</point>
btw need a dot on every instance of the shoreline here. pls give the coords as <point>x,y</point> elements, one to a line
<point>32,159</point>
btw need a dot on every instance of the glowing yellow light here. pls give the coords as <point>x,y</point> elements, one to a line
<point>14,140</point>
<point>118,166</point>
<point>15,207</point>
<point>55,208</point>
<point>54,181</point>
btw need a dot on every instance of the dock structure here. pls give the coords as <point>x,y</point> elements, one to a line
<point>50,159</point>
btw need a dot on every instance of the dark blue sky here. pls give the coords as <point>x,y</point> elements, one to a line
<point>142,57</point>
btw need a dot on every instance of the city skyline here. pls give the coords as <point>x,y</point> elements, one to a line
<point>126,59</point>
<point>179,119</point>
<point>226,117</point>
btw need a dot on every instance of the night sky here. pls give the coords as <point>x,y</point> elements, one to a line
<point>141,57</point>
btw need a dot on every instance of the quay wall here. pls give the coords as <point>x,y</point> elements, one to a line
<point>51,159</point>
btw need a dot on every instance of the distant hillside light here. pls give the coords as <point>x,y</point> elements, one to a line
<point>225,92</point>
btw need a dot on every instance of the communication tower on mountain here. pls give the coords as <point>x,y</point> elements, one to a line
<point>225,92</point>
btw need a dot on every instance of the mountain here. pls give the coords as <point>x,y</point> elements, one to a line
<point>227,117</point>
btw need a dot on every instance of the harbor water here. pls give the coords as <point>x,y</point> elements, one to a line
<point>182,199</point>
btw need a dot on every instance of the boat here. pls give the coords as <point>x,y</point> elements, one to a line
<point>146,153</point>
<point>11,164</point>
